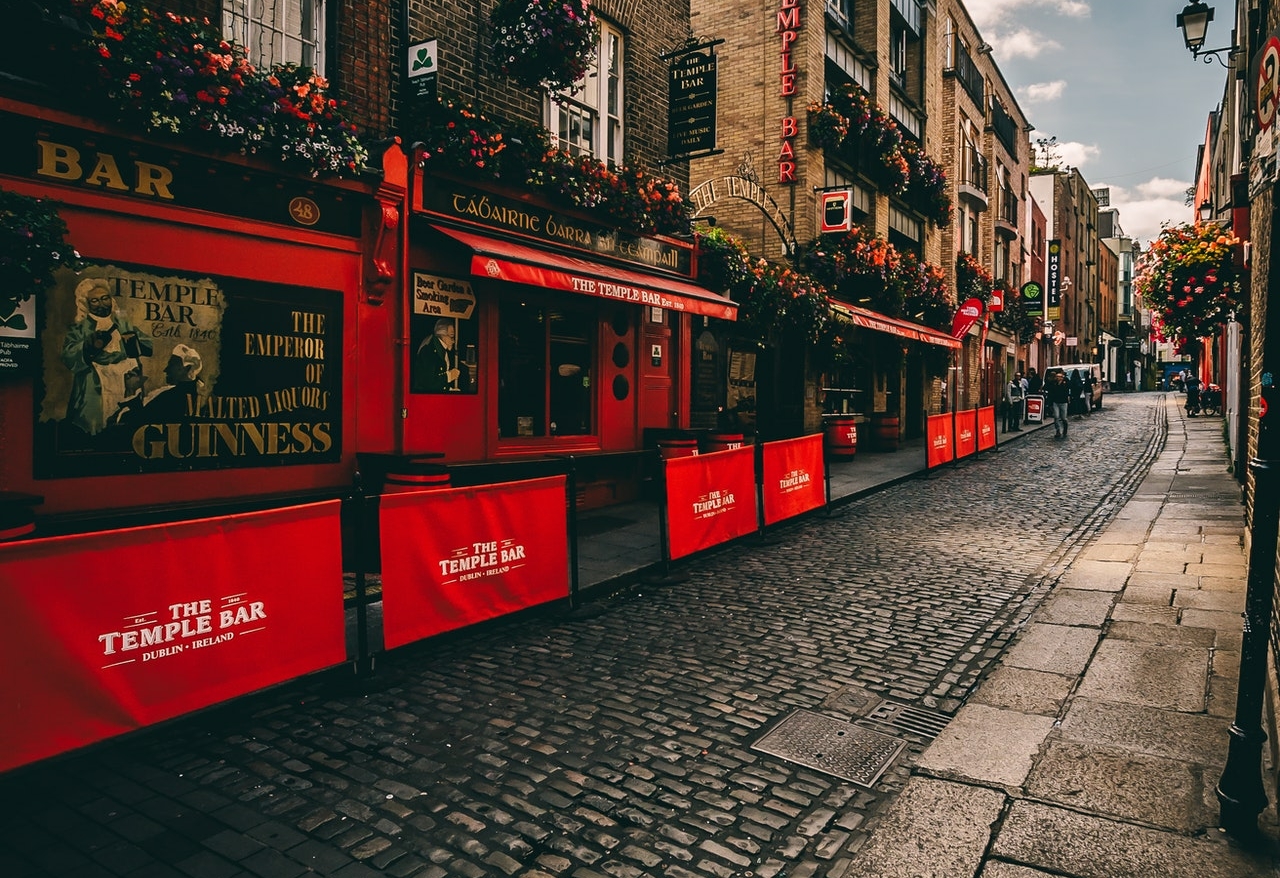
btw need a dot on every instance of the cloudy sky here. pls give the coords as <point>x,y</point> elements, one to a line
<point>1114,83</point>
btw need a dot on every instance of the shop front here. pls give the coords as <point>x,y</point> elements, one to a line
<point>530,335</point>
<point>201,350</point>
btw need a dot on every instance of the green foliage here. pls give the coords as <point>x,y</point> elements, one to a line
<point>32,247</point>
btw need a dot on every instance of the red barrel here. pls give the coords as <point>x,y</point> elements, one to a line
<point>414,475</point>
<point>723,442</point>
<point>886,427</point>
<point>841,433</point>
<point>671,448</point>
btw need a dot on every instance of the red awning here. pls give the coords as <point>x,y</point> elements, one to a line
<point>901,328</point>
<point>507,261</point>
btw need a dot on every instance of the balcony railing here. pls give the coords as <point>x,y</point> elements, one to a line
<point>1003,125</point>
<point>910,12</point>
<point>973,168</point>
<point>966,71</point>
<point>1010,205</point>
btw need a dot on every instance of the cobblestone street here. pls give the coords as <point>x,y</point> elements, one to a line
<point>615,740</point>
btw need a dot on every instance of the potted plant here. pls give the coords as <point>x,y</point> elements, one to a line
<point>32,247</point>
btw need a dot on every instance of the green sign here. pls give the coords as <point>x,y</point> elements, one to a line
<point>1033,299</point>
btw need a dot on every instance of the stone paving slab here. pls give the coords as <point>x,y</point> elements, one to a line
<point>935,829</point>
<point>1097,574</point>
<point>1070,606</point>
<point>1191,737</point>
<point>1024,690</point>
<point>1117,783</point>
<point>1156,676</point>
<point>987,745</point>
<point>1058,649</point>
<point>1065,842</point>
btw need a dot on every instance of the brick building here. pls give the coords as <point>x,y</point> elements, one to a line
<point>920,64</point>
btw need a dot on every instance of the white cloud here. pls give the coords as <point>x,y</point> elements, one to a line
<point>1077,154</point>
<point>1144,208</point>
<point>1021,43</point>
<point>991,12</point>
<point>1040,92</point>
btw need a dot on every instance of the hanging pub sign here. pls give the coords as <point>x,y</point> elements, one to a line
<point>996,302</point>
<point>966,315</point>
<point>835,208</point>
<point>1033,299</point>
<point>691,102</point>
<point>146,370</point>
<point>1053,295</point>
<point>17,335</point>
<point>422,66</point>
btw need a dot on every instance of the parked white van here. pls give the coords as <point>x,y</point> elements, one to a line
<point>1084,369</point>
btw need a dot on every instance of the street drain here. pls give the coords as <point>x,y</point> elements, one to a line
<point>912,720</point>
<point>832,746</point>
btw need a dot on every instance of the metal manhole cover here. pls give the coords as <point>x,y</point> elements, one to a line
<point>832,746</point>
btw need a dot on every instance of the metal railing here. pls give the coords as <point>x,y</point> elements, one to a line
<point>965,70</point>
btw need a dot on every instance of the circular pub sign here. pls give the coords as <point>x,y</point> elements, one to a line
<point>1266,71</point>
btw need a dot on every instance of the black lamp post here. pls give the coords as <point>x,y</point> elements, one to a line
<point>1205,210</point>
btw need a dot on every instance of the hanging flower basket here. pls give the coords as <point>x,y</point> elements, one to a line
<point>32,247</point>
<point>545,43</point>
<point>1189,279</point>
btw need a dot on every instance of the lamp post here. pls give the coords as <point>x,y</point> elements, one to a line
<point>1194,21</point>
<point>1240,791</point>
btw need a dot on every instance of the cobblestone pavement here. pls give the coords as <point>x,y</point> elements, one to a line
<point>615,740</point>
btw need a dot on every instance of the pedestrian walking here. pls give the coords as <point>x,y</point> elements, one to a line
<point>1075,400</point>
<point>1059,394</point>
<point>1013,397</point>
<point>1089,383</point>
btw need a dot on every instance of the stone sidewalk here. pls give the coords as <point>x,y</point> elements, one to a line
<point>1094,747</point>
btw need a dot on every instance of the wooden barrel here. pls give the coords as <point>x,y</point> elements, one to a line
<point>723,442</point>
<point>886,430</point>
<point>841,434</point>
<point>672,448</point>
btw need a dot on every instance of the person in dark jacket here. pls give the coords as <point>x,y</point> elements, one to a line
<point>1057,393</point>
<point>1075,405</point>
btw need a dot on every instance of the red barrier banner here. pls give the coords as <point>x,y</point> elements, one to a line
<point>793,479</point>
<point>107,632</point>
<point>987,428</point>
<point>711,499</point>
<point>457,556</point>
<point>966,433</point>
<point>938,435</point>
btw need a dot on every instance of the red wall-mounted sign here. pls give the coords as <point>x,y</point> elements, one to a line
<point>789,30</point>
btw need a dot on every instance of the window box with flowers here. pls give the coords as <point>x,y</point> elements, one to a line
<point>174,75</point>
<point>1188,278</point>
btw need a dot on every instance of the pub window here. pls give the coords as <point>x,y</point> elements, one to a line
<point>277,31</point>
<point>544,371</point>
<point>589,122</point>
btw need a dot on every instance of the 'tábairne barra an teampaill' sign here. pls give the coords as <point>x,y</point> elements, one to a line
<point>144,370</point>
<point>457,201</point>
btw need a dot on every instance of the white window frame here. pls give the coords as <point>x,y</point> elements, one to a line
<point>590,121</point>
<point>277,31</point>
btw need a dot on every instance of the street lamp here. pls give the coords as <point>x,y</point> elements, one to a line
<point>1205,210</point>
<point>1194,21</point>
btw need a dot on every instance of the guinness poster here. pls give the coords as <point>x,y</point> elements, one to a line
<point>144,370</point>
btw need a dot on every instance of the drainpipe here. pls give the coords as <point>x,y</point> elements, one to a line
<point>1241,796</point>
